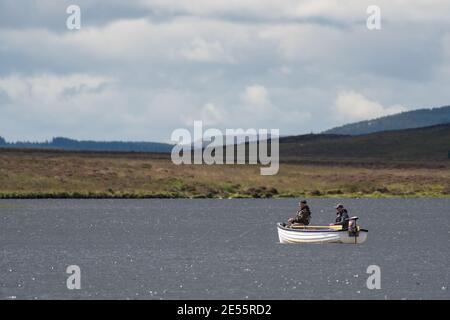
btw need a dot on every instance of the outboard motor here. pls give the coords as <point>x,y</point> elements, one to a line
<point>353,228</point>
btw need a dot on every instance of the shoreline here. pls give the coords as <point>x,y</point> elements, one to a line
<point>76,195</point>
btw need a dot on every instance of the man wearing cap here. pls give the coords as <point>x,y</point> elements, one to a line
<point>303,214</point>
<point>341,217</point>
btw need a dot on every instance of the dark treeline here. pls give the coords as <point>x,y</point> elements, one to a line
<point>71,144</point>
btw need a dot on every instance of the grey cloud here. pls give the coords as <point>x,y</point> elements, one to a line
<point>50,14</point>
<point>302,61</point>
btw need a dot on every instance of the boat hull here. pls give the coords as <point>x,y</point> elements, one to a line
<point>319,235</point>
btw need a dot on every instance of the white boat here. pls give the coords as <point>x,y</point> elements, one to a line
<point>320,234</point>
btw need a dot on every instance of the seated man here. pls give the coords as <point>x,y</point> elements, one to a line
<point>303,215</point>
<point>341,217</point>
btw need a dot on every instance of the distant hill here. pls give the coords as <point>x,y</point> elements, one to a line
<point>418,144</point>
<point>70,144</point>
<point>405,120</point>
<point>421,144</point>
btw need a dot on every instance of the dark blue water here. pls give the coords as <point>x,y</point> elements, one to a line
<point>218,249</point>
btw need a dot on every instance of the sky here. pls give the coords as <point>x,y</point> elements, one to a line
<point>138,70</point>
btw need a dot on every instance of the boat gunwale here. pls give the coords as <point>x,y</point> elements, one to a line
<point>312,230</point>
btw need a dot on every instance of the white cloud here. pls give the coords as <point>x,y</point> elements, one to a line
<point>353,106</point>
<point>209,114</point>
<point>50,102</point>
<point>296,42</point>
<point>285,70</point>
<point>130,41</point>
<point>201,50</point>
<point>212,115</point>
<point>259,109</point>
<point>232,63</point>
<point>48,87</point>
<point>257,96</point>
<point>87,107</point>
<point>48,98</point>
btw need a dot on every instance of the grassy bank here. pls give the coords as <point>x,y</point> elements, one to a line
<point>53,174</point>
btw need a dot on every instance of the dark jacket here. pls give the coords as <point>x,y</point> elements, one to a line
<point>342,218</point>
<point>303,216</point>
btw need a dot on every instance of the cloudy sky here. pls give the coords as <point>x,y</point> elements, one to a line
<point>137,70</point>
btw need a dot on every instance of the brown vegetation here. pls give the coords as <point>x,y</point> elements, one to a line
<point>37,174</point>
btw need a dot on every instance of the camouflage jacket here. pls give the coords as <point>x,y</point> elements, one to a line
<point>303,215</point>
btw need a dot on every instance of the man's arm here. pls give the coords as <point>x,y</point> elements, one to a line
<point>345,216</point>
